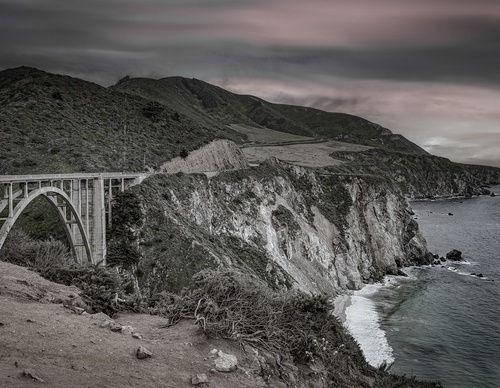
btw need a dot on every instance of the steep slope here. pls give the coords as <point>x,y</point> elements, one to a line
<point>289,225</point>
<point>53,123</point>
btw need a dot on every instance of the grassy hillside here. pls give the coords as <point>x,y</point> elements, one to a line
<point>53,123</point>
<point>200,99</point>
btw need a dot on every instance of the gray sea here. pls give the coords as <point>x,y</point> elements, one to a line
<point>442,322</point>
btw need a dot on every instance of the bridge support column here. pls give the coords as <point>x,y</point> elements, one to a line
<point>76,199</point>
<point>99,221</point>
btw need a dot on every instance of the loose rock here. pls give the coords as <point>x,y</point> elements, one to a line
<point>199,379</point>
<point>32,374</point>
<point>115,326</point>
<point>226,362</point>
<point>127,330</point>
<point>143,353</point>
<point>101,317</point>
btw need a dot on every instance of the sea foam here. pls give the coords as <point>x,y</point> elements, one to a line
<point>363,322</point>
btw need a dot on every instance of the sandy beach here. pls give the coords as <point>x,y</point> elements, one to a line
<point>340,304</point>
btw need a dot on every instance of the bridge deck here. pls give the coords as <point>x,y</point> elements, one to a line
<point>43,177</point>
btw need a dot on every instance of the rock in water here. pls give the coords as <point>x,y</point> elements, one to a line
<point>143,353</point>
<point>454,255</point>
<point>226,362</point>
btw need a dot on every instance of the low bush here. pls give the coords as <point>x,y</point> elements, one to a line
<point>39,255</point>
<point>101,286</point>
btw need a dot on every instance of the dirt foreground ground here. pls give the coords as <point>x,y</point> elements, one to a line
<point>44,343</point>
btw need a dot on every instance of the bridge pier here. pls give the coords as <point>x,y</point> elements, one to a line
<point>98,238</point>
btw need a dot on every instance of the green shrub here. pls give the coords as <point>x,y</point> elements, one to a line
<point>126,218</point>
<point>100,285</point>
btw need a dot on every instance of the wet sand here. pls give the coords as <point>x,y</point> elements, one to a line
<point>340,304</point>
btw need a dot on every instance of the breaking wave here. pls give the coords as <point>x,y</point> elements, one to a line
<point>363,322</point>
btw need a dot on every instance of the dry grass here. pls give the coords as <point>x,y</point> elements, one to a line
<point>293,326</point>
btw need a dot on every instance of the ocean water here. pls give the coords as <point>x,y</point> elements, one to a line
<point>443,322</point>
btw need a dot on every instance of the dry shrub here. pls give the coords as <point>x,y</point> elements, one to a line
<point>100,285</point>
<point>292,325</point>
<point>40,256</point>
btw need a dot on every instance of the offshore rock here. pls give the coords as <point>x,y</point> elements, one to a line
<point>454,255</point>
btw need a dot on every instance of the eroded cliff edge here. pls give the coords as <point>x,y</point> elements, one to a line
<point>292,226</point>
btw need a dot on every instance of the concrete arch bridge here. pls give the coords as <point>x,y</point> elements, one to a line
<point>83,203</point>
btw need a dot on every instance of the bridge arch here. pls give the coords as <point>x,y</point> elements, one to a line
<point>53,195</point>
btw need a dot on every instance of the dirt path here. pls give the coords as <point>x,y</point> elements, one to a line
<point>65,349</point>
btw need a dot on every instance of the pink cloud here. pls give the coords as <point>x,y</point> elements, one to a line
<point>351,23</point>
<point>456,121</point>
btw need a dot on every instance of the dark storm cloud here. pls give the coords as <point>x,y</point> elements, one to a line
<point>286,39</point>
<point>420,67</point>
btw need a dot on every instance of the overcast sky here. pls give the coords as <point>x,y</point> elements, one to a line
<point>428,69</point>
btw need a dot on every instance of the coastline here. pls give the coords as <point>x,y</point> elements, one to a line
<point>340,305</point>
<point>357,312</point>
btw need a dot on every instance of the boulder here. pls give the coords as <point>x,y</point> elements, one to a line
<point>454,255</point>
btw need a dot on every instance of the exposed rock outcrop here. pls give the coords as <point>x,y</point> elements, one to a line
<point>422,176</point>
<point>288,224</point>
<point>219,155</point>
<point>454,255</point>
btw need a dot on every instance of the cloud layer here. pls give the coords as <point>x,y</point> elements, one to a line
<point>424,68</point>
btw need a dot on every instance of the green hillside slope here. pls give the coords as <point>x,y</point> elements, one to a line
<point>53,123</point>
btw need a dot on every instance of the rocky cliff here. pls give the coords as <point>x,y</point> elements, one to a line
<point>421,176</point>
<point>293,227</point>
<point>219,155</point>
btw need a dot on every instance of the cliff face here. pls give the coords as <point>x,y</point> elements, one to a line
<point>219,155</point>
<point>421,176</point>
<point>289,225</point>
